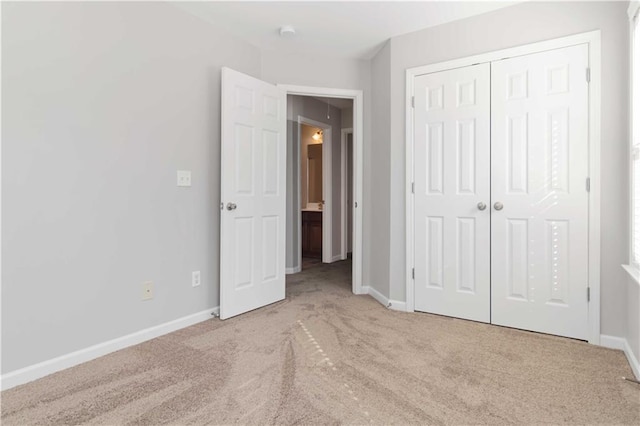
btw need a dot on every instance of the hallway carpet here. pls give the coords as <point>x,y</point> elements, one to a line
<point>325,356</point>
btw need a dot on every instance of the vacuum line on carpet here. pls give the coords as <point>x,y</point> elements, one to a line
<point>333,367</point>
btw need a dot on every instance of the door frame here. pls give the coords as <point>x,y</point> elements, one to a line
<point>358,130</point>
<point>592,39</point>
<point>327,183</point>
<point>344,190</point>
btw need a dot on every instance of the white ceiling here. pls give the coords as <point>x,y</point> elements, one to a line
<point>351,29</point>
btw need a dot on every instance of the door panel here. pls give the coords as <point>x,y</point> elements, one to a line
<point>539,159</point>
<point>451,178</point>
<point>252,232</point>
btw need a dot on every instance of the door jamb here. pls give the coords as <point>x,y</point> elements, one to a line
<point>358,114</point>
<point>592,39</point>
<point>327,184</point>
<point>344,189</point>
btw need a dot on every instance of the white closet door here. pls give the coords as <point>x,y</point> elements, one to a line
<point>539,161</point>
<point>451,179</point>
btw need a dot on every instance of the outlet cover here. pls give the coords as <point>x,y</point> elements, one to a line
<point>184,177</point>
<point>195,278</point>
<point>147,290</point>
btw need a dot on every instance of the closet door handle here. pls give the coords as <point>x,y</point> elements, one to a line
<point>498,206</point>
<point>231,206</point>
<point>481,206</point>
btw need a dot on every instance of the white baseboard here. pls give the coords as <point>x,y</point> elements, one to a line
<point>384,301</point>
<point>336,258</point>
<point>36,371</point>
<point>293,270</point>
<point>397,305</point>
<point>612,342</point>
<point>622,344</point>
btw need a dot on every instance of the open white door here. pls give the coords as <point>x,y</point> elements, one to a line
<point>253,193</point>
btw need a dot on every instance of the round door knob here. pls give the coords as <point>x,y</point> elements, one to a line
<point>481,206</point>
<point>498,206</point>
<point>231,206</point>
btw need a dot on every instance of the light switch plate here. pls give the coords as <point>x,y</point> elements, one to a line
<point>184,177</point>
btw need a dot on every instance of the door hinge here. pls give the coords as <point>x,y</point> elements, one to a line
<point>413,102</point>
<point>588,294</point>
<point>413,187</point>
<point>588,75</point>
<point>588,184</point>
<point>355,204</point>
<point>413,273</point>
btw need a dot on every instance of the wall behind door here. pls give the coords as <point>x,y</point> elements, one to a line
<point>102,103</point>
<point>513,26</point>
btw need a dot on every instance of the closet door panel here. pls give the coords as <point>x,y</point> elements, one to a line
<point>451,170</point>
<point>539,167</point>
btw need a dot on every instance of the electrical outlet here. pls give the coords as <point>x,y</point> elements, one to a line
<point>184,178</point>
<point>147,290</point>
<point>195,278</point>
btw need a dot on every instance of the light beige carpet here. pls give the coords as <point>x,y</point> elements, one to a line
<point>324,356</point>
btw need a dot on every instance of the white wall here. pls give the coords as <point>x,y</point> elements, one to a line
<point>102,103</point>
<point>633,317</point>
<point>379,178</point>
<point>513,26</point>
<point>292,256</point>
<point>314,70</point>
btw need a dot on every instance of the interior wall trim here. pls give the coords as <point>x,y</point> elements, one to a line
<point>381,298</point>
<point>613,342</point>
<point>394,305</point>
<point>45,368</point>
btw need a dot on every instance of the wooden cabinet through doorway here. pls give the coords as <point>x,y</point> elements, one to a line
<point>312,234</point>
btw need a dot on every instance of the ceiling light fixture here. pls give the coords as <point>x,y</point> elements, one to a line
<point>317,135</point>
<point>287,31</point>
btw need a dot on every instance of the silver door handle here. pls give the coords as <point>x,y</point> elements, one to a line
<point>498,206</point>
<point>481,206</point>
<point>231,206</point>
